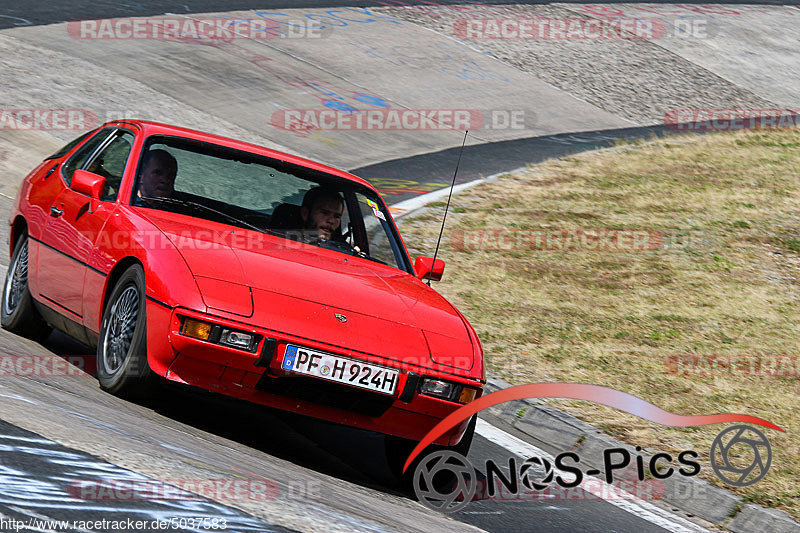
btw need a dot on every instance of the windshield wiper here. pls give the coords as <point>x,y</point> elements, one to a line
<point>189,203</point>
<point>364,255</point>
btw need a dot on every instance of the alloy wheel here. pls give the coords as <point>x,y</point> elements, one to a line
<point>16,281</point>
<point>120,329</point>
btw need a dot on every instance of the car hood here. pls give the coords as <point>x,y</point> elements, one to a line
<point>298,289</point>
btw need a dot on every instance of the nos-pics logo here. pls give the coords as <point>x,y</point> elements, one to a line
<point>446,481</point>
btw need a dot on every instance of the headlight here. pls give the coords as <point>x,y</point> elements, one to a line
<point>438,387</point>
<point>447,390</point>
<point>238,339</point>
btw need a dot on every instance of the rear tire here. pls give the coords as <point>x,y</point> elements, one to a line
<point>17,311</point>
<point>122,367</point>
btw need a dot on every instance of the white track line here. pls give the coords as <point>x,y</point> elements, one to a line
<point>597,487</point>
<point>405,207</point>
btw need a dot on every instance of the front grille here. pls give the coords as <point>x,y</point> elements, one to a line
<point>327,393</point>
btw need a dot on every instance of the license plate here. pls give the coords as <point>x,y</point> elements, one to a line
<point>339,369</point>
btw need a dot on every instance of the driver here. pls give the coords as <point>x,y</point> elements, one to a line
<point>322,212</point>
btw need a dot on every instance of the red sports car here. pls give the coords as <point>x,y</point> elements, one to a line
<point>241,270</point>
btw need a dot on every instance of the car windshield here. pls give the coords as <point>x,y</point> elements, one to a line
<point>243,189</point>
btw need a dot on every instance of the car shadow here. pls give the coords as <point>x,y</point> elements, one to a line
<point>353,455</point>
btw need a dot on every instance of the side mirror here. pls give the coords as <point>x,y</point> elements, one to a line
<point>426,267</point>
<point>88,183</point>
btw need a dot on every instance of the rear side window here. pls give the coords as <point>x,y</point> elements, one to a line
<point>81,156</point>
<point>72,144</point>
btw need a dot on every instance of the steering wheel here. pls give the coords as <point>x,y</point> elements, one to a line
<point>332,245</point>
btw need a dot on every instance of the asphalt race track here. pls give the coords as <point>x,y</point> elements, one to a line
<point>42,12</point>
<point>58,435</point>
<point>319,476</point>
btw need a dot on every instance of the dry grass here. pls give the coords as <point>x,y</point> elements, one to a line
<point>613,318</point>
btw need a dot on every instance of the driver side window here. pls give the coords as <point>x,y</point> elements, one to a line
<point>110,163</point>
<point>106,154</point>
<point>81,156</point>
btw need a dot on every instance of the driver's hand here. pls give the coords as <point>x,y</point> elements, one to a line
<point>312,238</point>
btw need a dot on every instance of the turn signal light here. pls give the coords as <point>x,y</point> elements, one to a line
<point>232,338</point>
<point>467,395</point>
<point>196,329</point>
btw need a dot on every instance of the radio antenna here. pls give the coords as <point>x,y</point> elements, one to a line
<point>447,207</point>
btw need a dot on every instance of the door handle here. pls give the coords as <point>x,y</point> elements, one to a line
<point>56,212</point>
<point>49,172</point>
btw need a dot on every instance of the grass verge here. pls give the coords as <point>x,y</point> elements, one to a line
<point>715,274</point>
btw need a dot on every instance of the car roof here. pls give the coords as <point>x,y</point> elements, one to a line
<point>158,128</point>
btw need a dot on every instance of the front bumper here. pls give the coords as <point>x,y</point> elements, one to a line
<point>258,377</point>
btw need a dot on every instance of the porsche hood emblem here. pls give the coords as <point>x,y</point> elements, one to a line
<point>340,317</point>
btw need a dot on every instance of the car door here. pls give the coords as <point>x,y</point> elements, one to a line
<point>76,220</point>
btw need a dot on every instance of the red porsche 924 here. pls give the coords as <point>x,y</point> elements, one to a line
<point>241,270</point>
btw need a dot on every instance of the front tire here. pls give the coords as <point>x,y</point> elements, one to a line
<point>122,367</point>
<point>17,311</point>
<point>398,449</point>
